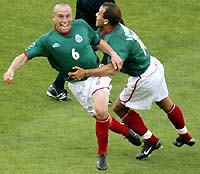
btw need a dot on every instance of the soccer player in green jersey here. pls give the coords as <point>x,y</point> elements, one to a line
<point>146,83</point>
<point>85,9</point>
<point>69,44</point>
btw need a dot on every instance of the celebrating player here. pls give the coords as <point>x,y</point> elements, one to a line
<point>146,83</point>
<point>85,9</point>
<point>68,45</point>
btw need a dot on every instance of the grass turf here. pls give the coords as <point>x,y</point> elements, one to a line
<point>40,135</point>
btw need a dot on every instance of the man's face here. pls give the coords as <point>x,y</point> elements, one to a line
<point>100,21</point>
<point>62,17</point>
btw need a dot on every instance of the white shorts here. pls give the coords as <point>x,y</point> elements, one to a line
<point>83,90</point>
<point>140,92</point>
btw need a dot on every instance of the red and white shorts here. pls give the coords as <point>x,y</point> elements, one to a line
<point>140,92</point>
<point>83,90</point>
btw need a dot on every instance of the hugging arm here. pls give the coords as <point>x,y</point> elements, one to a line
<point>104,70</point>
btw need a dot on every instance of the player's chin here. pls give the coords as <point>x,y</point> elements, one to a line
<point>64,30</point>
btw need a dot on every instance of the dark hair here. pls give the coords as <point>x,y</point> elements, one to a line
<point>112,13</point>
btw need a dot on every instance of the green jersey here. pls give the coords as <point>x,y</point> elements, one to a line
<point>66,51</point>
<point>134,54</point>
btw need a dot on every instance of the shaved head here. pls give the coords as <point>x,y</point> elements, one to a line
<point>59,4</point>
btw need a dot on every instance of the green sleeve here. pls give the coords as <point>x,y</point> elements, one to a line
<point>37,48</point>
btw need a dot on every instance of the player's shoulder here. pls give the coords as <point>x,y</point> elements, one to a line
<point>118,31</point>
<point>46,36</point>
<point>79,21</point>
<point>125,32</point>
<point>49,33</point>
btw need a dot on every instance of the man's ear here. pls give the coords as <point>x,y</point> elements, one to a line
<point>106,21</point>
<point>53,18</point>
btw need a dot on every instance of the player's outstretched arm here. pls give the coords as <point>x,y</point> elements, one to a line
<point>16,64</point>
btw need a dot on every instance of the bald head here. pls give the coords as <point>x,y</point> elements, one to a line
<point>60,5</point>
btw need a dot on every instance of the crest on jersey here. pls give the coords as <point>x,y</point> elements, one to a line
<point>78,38</point>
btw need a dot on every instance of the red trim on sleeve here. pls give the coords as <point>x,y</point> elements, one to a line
<point>28,58</point>
<point>99,41</point>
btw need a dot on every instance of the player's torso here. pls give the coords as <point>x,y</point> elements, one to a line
<point>72,50</point>
<point>136,57</point>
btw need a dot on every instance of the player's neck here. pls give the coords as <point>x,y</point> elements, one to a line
<point>108,29</point>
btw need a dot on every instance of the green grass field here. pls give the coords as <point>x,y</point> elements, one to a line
<point>41,136</point>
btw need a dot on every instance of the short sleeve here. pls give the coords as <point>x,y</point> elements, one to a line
<point>37,48</point>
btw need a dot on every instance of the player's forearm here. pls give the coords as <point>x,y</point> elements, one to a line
<point>104,47</point>
<point>115,59</point>
<point>18,62</point>
<point>104,70</point>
